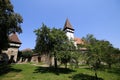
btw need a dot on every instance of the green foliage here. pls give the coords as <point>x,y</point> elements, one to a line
<point>77,56</point>
<point>102,50</point>
<point>27,54</point>
<point>9,22</point>
<point>64,57</point>
<point>49,41</point>
<point>55,43</point>
<point>43,39</point>
<point>66,52</point>
<point>99,52</point>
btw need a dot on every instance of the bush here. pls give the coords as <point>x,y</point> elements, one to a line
<point>27,55</point>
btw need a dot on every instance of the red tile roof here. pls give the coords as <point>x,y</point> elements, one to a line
<point>78,41</point>
<point>14,38</point>
<point>67,25</point>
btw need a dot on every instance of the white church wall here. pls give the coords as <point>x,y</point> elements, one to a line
<point>70,35</point>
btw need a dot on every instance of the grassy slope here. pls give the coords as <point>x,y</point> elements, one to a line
<point>30,72</point>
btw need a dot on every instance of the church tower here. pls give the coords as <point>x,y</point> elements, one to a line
<point>14,45</point>
<point>69,30</point>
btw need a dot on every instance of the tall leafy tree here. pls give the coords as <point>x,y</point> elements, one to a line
<point>99,51</point>
<point>9,22</point>
<point>111,54</point>
<point>116,56</point>
<point>92,45</point>
<point>49,41</point>
<point>66,53</point>
<point>43,44</point>
<point>58,38</point>
<point>43,39</point>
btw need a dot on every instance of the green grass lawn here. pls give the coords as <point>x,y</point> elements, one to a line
<point>31,72</point>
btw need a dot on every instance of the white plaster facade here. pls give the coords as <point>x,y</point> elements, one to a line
<point>70,34</point>
<point>12,53</point>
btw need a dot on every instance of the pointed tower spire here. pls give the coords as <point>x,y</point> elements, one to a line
<point>67,25</point>
<point>14,38</point>
<point>68,30</point>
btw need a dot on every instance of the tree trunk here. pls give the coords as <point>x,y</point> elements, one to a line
<point>95,74</point>
<point>55,60</point>
<point>0,55</point>
<point>0,51</point>
<point>76,64</point>
<point>65,65</point>
<point>109,65</point>
<point>50,61</point>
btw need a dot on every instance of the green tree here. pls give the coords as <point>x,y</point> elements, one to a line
<point>116,56</point>
<point>93,51</point>
<point>49,41</point>
<point>43,42</point>
<point>66,53</point>
<point>27,54</point>
<point>76,58</point>
<point>43,39</point>
<point>111,56</point>
<point>106,52</point>
<point>58,38</point>
<point>9,22</point>
<point>99,51</point>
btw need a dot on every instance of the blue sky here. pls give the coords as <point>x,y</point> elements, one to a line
<point>98,17</point>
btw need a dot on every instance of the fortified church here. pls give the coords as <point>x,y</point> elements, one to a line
<point>69,30</point>
<point>11,53</point>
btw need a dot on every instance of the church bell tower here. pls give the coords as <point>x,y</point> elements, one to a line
<point>69,30</point>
